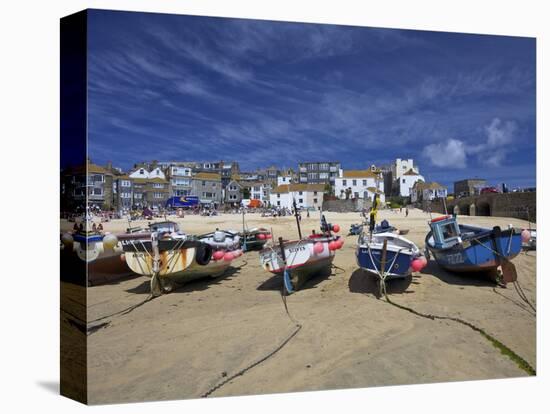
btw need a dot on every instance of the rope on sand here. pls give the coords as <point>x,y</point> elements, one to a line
<point>519,361</point>
<point>297,328</point>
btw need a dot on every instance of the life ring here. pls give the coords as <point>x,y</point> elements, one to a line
<point>203,254</point>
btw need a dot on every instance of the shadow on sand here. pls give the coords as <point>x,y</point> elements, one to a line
<point>203,283</point>
<point>462,279</point>
<point>364,282</point>
<point>275,282</point>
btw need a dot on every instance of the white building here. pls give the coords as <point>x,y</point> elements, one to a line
<point>406,182</point>
<point>359,184</point>
<point>306,195</point>
<point>143,173</point>
<point>400,167</point>
<point>284,180</point>
<point>427,191</point>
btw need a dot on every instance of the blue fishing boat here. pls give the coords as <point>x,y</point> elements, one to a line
<point>387,255</point>
<point>463,248</point>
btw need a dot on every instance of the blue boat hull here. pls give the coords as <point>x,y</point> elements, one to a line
<point>478,253</point>
<point>399,269</point>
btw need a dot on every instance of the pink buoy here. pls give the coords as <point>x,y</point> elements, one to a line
<point>261,236</point>
<point>218,255</point>
<point>336,228</point>
<point>333,245</point>
<point>237,253</point>
<point>416,265</point>
<point>228,256</point>
<point>268,236</point>
<point>525,235</point>
<point>340,243</point>
<point>318,248</point>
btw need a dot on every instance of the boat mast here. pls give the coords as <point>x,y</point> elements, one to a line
<point>297,219</point>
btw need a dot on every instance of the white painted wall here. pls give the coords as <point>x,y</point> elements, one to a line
<point>307,199</point>
<point>357,185</point>
<point>282,180</point>
<point>406,183</point>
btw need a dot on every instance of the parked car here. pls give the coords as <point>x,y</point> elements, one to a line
<point>488,190</point>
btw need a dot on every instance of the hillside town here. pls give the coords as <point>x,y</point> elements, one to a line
<point>223,184</point>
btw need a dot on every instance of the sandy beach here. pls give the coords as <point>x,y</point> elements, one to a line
<point>182,344</point>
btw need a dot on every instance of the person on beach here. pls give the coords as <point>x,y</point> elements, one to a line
<point>407,212</point>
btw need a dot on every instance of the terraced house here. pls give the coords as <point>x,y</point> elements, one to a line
<point>208,187</point>
<point>306,196</point>
<point>362,184</point>
<point>87,182</point>
<point>149,188</point>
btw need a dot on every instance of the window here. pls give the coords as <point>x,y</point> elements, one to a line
<point>314,201</point>
<point>364,182</point>
<point>278,196</point>
<point>344,182</point>
<point>97,191</point>
<point>278,203</point>
<point>403,181</point>
<point>157,195</point>
<point>354,182</point>
<point>158,185</point>
<point>315,193</point>
<point>448,231</point>
<point>203,183</point>
<point>300,200</point>
<point>355,195</point>
<point>125,183</point>
<point>138,196</point>
<point>125,195</point>
<point>142,171</point>
<point>301,193</point>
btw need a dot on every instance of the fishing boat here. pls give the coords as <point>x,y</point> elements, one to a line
<point>299,260</point>
<point>100,251</point>
<point>254,239</point>
<point>387,254</point>
<point>170,256</point>
<point>382,251</point>
<point>463,248</point>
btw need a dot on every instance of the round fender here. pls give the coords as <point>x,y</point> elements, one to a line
<point>203,254</point>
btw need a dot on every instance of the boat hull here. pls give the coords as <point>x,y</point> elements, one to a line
<point>302,262</point>
<point>179,266</point>
<point>477,254</point>
<point>398,265</point>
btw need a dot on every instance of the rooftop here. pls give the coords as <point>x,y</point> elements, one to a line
<point>286,188</point>
<point>358,174</point>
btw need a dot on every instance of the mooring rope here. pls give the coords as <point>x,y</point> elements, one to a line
<point>522,295</point>
<point>515,302</point>
<point>297,328</point>
<point>520,362</point>
<point>287,339</point>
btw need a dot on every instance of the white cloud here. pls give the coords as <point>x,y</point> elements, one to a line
<point>450,154</point>
<point>500,133</point>
<point>453,152</point>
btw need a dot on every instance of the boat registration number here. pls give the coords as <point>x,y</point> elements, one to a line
<point>455,258</point>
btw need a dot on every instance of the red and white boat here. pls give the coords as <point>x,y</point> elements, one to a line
<point>299,260</point>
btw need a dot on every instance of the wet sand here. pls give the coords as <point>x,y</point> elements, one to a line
<point>182,344</point>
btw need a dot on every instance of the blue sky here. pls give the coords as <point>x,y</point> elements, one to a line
<point>171,87</point>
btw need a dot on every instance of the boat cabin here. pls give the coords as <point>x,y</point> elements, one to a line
<point>446,232</point>
<point>164,227</point>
